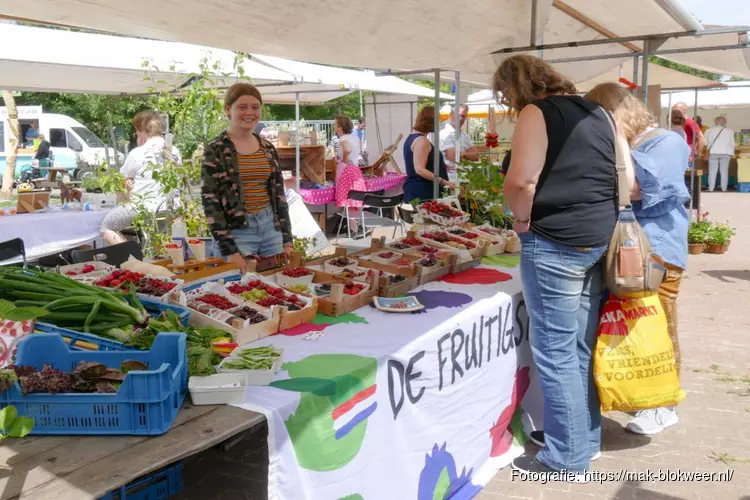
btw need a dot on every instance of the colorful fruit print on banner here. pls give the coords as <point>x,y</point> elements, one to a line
<point>477,276</point>
<point>506,429</point>
<point>439,479</point>
<point>337,397</point>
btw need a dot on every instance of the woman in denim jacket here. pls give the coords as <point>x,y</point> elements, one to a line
<point>660,157</point>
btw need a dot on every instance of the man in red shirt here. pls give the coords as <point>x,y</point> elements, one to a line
<point>693,133</point>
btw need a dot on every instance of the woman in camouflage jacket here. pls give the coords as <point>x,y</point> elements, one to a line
<point>243,190</point>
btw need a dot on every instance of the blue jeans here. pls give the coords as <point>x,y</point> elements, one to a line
<point>562,287</point>
<point>260,238</point>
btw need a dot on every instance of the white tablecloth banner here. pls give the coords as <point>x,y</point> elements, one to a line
<point>407,405</point>
<point>53,231</point>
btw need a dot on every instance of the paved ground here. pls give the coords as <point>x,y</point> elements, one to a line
<point>713,435</point>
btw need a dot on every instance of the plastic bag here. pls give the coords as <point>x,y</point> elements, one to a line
<point>634,363</point>
<point>135,265</point>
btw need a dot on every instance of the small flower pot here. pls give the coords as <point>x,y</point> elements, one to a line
<point>696,248</point>
<point>725,246</point>
<point>715,248</point>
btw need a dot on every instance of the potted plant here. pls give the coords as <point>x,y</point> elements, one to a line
<point>697,235</point>
<point>719,237</point>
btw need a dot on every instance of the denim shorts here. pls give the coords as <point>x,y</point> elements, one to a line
<point>260,237</point>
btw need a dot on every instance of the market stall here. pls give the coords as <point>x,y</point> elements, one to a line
<point>434,400</point>
<point>341,355</point>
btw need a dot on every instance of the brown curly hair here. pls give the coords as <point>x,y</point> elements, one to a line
<point>522,79</point>
<point>425,121</point>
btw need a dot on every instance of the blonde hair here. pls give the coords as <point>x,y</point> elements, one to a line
<point>630,114</point>
<point>523,79</point>
<point>154,127</point>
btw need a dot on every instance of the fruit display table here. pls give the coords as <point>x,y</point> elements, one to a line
<point>327,194</point>
<point>87,468</point>
<point>52,231</point>
<point>435,400</point>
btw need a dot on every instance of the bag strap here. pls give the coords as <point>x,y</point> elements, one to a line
<point>716,138</point>
<point>623,192</point>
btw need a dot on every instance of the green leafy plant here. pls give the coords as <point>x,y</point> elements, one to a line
<point>719,234</point>
<point>481,192</point>
<point>10,312</point>
<point>302,245</point>
<point>12,425</point>
<point>698,231</point>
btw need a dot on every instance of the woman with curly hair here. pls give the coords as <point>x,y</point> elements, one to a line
<point>561,190</point>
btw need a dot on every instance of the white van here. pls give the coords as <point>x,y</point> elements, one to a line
<point>68,138</point>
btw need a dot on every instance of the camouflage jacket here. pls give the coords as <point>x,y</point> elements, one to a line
<point>222,197</point>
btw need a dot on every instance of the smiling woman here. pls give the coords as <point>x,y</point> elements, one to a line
<point>243,190</point>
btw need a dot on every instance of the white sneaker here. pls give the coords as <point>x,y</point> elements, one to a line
<point>648,422</point>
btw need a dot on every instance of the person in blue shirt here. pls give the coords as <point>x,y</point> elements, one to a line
<point>32,132</point>
<point>660,158</point>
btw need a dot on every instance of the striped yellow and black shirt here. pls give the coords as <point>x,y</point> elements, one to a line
<point>254,174</point>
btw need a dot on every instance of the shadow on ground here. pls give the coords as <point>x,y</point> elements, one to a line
<point>725,275</point>
<point>634,490</point>
<point>616,438</point>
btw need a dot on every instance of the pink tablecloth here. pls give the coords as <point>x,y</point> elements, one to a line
<point>328,194</point>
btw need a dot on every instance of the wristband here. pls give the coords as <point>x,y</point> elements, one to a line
<point>522,221</point>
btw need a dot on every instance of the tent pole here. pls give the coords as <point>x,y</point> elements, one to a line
<point>669,111</point>
<point>457,125</point>
<point>635,70</point>
<point>436,139</point>
<point>644,85</point>
<point>296,126</point>
<point>695,106</point>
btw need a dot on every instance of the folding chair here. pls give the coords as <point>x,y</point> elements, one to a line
<point>113,255</point>
<point>370,220</point>
<point>11,249</point>
<point>353,195</point>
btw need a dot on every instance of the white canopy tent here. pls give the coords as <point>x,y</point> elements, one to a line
<point>65,61</point>
<point>406,40</point>
<point>582,38</point>
<point>48,60</point>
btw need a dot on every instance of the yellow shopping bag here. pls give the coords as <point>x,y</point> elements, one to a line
<point>634,364</point>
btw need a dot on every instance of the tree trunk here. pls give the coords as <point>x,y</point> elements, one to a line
<point>14,141</point>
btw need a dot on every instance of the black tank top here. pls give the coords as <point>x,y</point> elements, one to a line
<point>575,200</point>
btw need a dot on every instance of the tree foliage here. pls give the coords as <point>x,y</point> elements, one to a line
<point>684,69</point>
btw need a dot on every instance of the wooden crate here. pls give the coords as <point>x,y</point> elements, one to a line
<point>378,246</point>
<point>289,318</point>
<point>241,335</point>
<point>493,244</point>
<point>337,303</point>
<point>477,252</point>
<point>195,270</point>
<point>427,274</point>
<point>385,289</point>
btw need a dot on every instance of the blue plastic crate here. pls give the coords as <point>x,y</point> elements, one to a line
<point>146,403</point>
<point>158,485</point>
<point>153,307</point>
<point>743,187</point>
<point>75,337</point>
